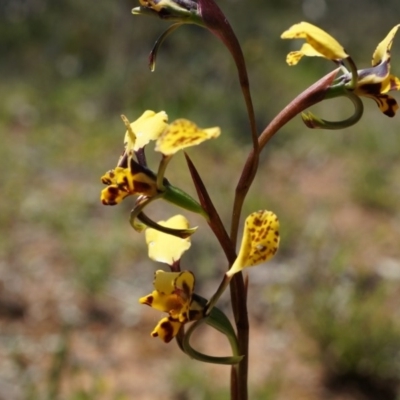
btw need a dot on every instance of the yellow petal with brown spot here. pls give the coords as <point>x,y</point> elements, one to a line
<point>166,329</point>
<point>260,240</point>
<point>183,133</point>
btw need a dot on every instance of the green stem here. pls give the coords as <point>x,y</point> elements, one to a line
<point>223,285</point>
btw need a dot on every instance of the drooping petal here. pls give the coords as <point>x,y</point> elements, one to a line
<point>149,126</point>
<point>387,104</point>
<point>382,52</point>
<point>166,329</point>
<point>260,240</point>
<point>181,134</point>
<point>167,248</point>
<point>322,43</point>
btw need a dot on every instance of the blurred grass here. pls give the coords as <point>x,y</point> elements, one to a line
<point>69,70</point>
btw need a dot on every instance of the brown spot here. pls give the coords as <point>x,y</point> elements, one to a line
<point>142,187</point>
<point>257,222</point>
<point>113,191</point>
<point>168,329</point>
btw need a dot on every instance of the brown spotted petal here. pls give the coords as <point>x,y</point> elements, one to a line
<point>123,182</point>
<point>387,104</point>
<point>375,82</point>
<point>260,240</point>
<point>181,134</point>
<point>166,329</point>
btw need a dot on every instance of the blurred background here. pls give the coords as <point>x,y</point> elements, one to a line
<point>324,314</point>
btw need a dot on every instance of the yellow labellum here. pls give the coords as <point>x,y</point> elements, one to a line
<point>260,240</point>
<point>183,133</point>
<point>167,248</point>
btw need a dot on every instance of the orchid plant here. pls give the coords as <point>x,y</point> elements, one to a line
<point>174,291</point>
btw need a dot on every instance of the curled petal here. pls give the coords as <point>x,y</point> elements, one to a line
<point>181,134</point>
<point>158,43</point>
<point>382,52</point>
<point>314,122</point>
<point>260,240</point>
<point>167,248</point>
<point>322,43</point>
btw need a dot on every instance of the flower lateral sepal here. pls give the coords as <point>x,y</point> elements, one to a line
<point>314,122</point>
<point>219,321</point>
<point>158,43</point>
<point>146,222</point>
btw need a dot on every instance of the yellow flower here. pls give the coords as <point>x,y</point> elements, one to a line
<point>132,177</point>
<point>167,248</point>
<point>372,82</point>
<point>181,134</point>
<point>123,182</point>
<point>173,295</point>
<point>260,241</point>
<point>375,82</point>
